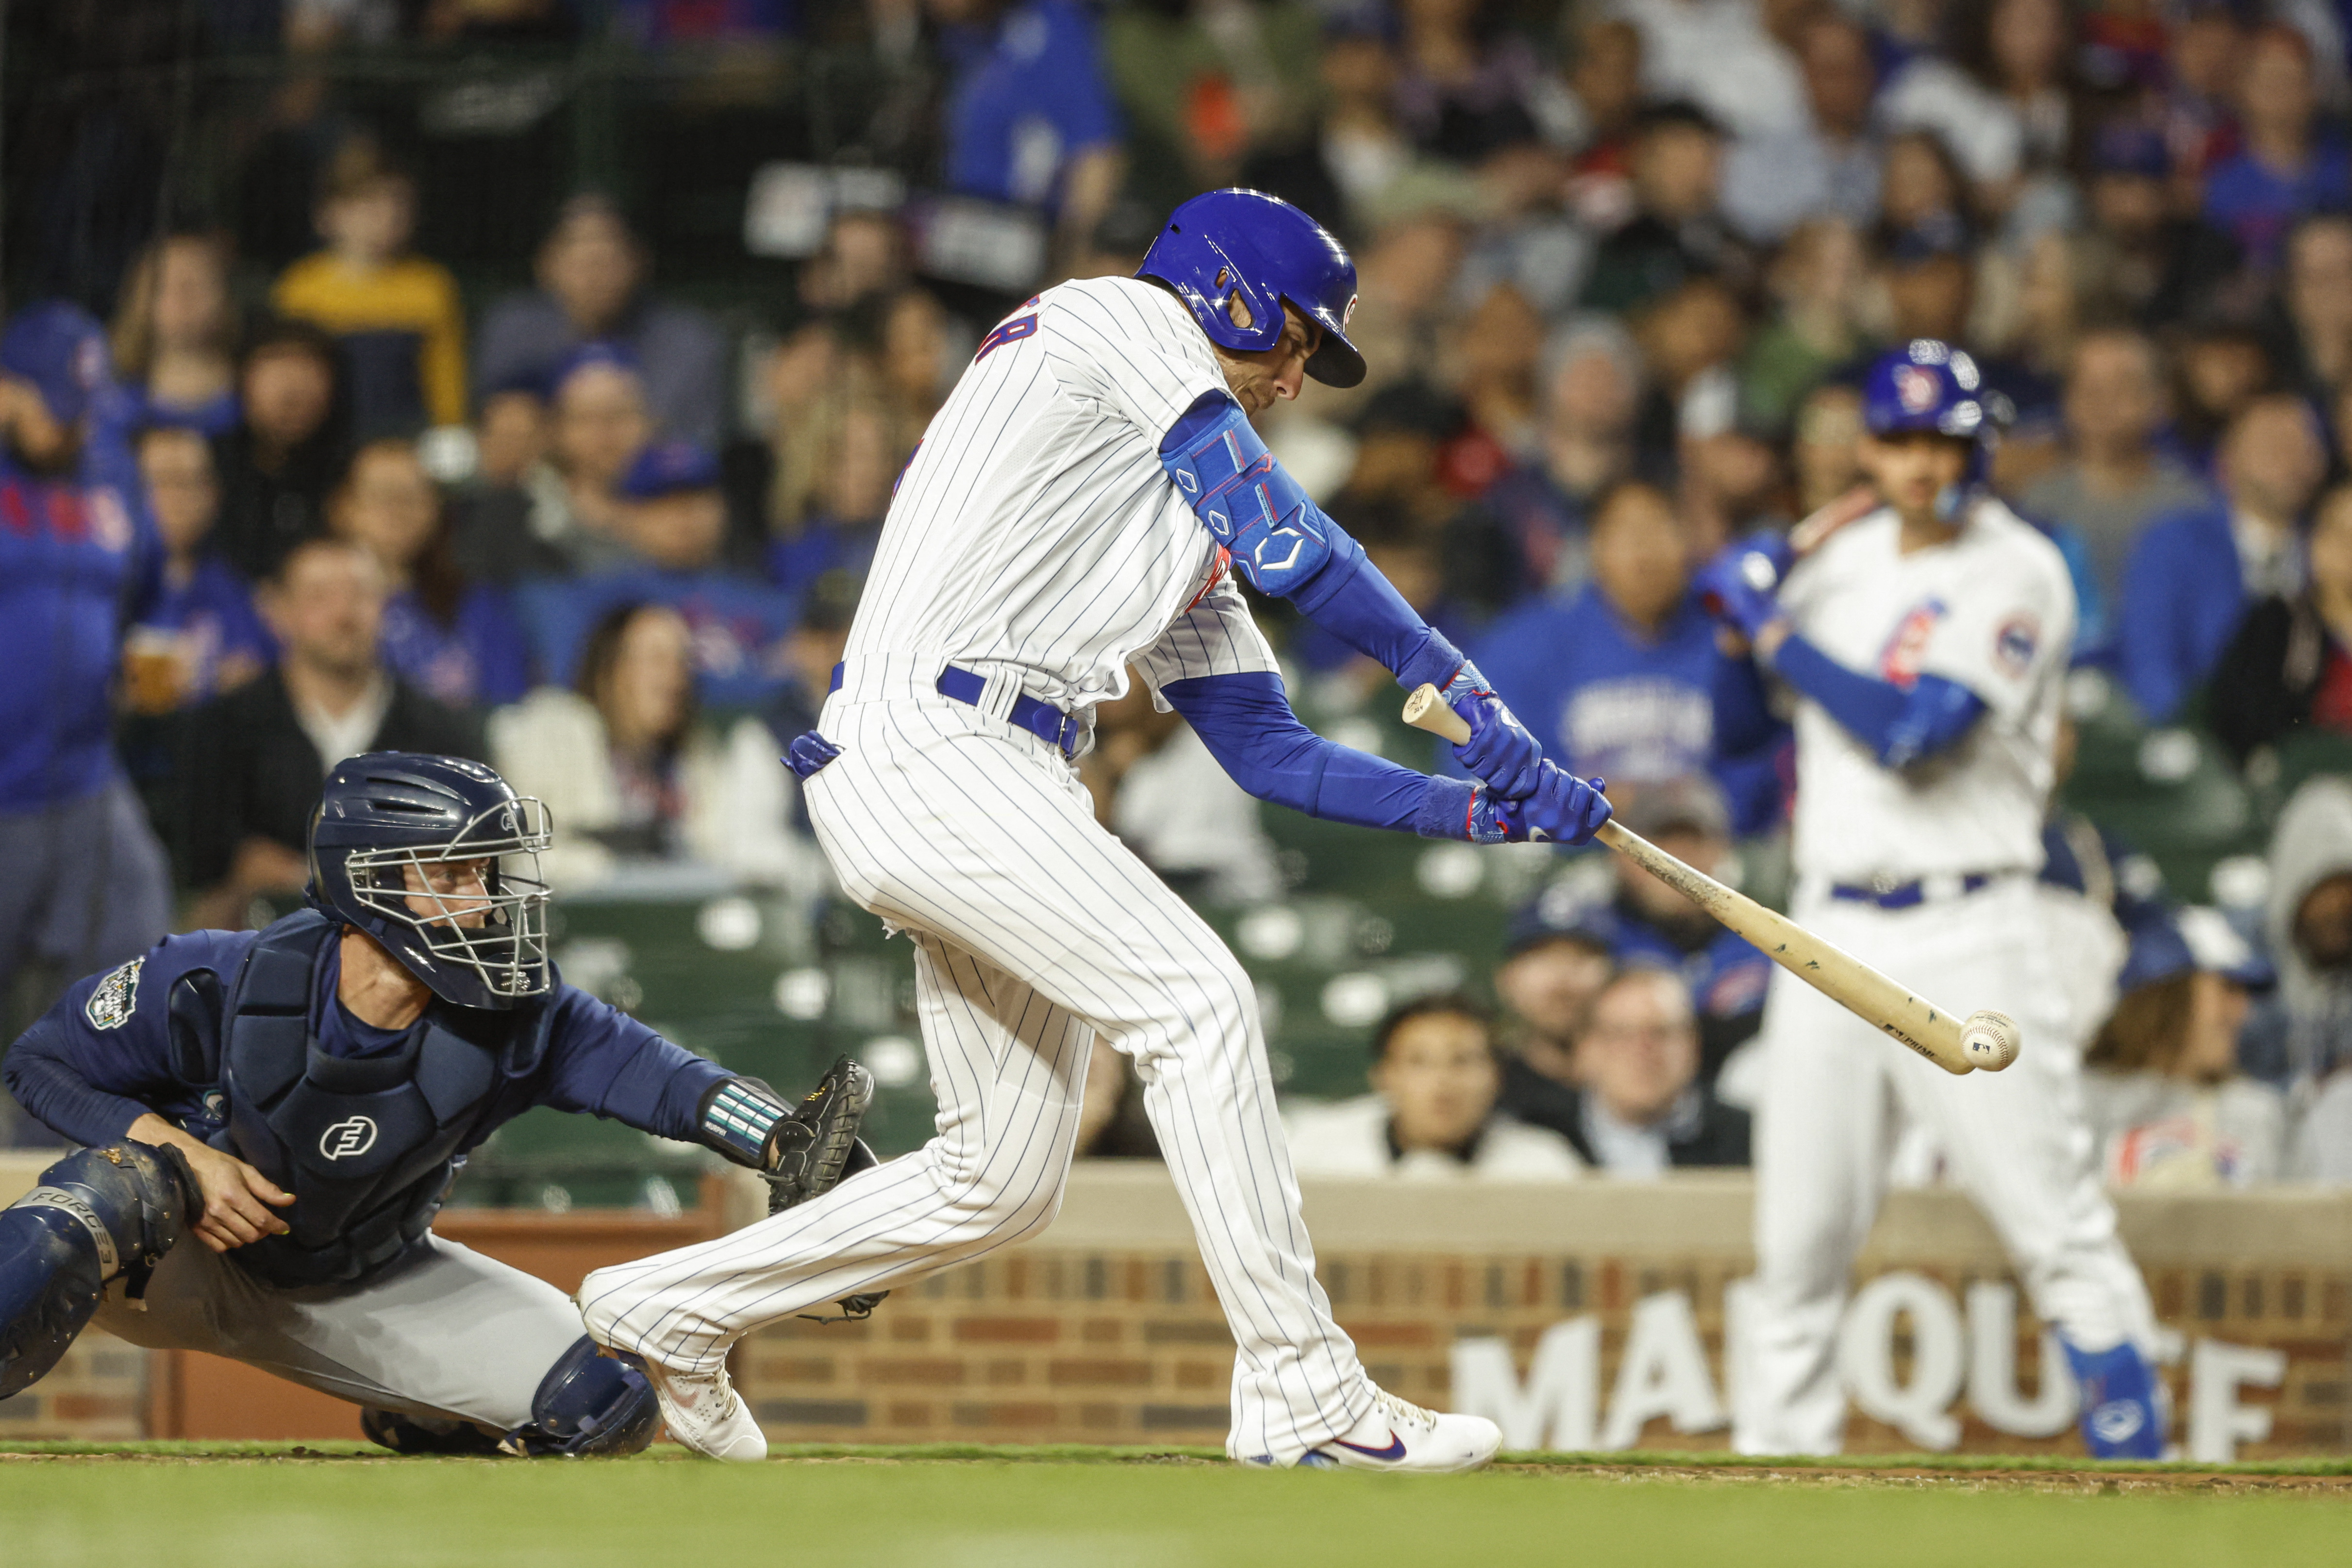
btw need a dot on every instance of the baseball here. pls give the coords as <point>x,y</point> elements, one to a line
<point>1991,1039</point>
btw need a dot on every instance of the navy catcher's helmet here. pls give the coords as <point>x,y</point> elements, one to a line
<point>1265,250</point>
<point>437,858</point>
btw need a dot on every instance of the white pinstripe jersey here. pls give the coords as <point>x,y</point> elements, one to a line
<point>1993,610</point>
<point>1035,525</point>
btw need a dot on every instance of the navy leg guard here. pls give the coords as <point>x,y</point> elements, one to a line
<point>2122,1414</point>
<point>588,1404</point>
<point>96,1214</point>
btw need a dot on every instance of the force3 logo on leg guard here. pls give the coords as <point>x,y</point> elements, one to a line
<point>353,1135</point>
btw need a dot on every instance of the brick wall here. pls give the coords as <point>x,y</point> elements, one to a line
<point>98,1393</point>
<point>1107,1330</point>
<point>1115,1343</point>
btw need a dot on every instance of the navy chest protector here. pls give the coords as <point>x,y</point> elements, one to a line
<point>366,1145</point>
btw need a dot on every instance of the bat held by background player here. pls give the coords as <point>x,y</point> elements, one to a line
<point>1986,1039</point>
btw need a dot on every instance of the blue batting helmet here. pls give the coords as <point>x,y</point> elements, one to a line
<point>1926,384</point>
<point>1258,246</point>
<point>437,858</point>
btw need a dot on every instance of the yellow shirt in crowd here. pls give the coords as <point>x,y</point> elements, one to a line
<point>406,307</point>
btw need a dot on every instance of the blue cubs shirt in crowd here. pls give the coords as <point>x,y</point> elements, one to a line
<point>1026,97</point>
<point>794,564</point>
<point>71,553</point>
<point>210,617</point>
<point>477,657</point>
<point>737,626</point>
<point>1545,524</point>
<point>1604,698</point>
<point>2256,204</point>
<point>1726,977</point>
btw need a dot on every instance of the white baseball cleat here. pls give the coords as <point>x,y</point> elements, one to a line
<point>703,1411</point>
<point>1401,1436</point>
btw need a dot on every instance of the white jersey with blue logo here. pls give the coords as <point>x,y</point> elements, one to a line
<point>1036,525</point>
<point>1993,610</point>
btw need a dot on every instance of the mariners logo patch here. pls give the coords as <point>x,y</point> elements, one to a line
<point>2013,645</point>
<point>117,997</point>
<point>1915,389</point>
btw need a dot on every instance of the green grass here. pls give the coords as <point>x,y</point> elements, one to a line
<point>248,1507</point>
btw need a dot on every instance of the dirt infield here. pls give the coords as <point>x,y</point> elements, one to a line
<point>2060,1476</point>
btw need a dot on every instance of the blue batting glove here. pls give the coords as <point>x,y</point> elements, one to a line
<point>1738,586</point>
<point>1486,824</point>
<point>1773,544</point>
<point>809,752</point>
<point>1499,750</point>
<point>1563,809</point>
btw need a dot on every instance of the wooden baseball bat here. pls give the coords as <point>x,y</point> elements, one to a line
<point>1986,1039</point>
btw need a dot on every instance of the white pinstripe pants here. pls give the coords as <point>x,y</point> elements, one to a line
<point>1033,928</point>
<point>2016,1142</point>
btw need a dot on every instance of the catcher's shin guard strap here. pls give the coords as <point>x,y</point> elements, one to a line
<point>739,1116</point>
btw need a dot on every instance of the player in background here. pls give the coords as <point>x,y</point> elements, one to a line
<point>1925,645</point>
<point>1078,505</point>
<point>272,1120</point>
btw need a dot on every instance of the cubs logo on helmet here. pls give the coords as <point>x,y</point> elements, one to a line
<point>1915,389</point>
<point>1926,385</point>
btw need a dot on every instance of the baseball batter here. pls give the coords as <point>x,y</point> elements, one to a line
<point>1080,504</point>
<point>1926,645</point>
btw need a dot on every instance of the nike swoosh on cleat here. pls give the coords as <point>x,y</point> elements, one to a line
<point>1394,1451</point>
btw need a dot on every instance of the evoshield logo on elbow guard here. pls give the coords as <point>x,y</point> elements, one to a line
<point>353,1135</point>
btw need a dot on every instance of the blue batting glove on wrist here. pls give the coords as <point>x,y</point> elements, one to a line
<point>1500,749</point>
<point>1486,824</point>
<point>1563,809</point>
<point>1738,586</point>
<point>809,752</point>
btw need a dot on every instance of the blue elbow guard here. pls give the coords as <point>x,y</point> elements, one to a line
<point>1278,539</point>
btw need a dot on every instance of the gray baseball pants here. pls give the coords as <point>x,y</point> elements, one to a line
<point>446,1333</point>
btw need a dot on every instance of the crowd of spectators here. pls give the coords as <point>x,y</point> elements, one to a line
<point>1620,264</point>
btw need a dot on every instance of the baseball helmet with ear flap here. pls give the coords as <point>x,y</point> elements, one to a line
<point>1246,244</point>
<point>1928,385</point>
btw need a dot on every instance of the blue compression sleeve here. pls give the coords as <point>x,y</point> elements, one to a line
<point>45,1081</point>
<point>1247,723</point>
<point>1281,542</point>
<point>1901,726</point>
<point>1352,601</point>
